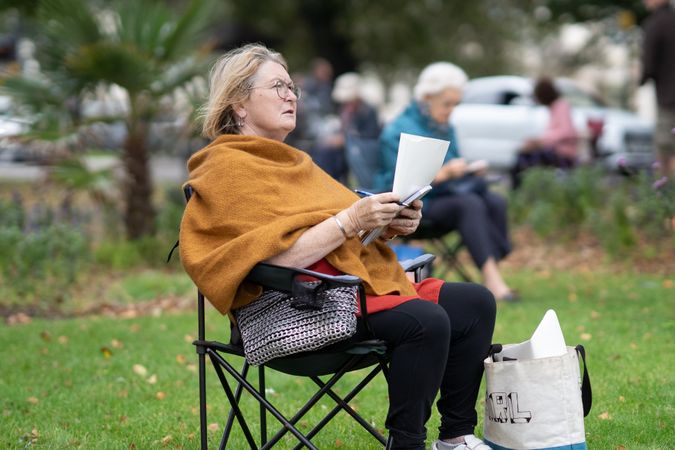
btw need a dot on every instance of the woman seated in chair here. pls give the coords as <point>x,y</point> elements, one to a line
<point>257,199</point>
<point>460,200</point>
<point>557,146</point>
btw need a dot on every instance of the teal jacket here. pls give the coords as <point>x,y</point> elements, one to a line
<point>412,121</point>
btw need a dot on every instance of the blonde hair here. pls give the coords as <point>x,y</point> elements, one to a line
<point>229,83</point>
<point>437,77</point>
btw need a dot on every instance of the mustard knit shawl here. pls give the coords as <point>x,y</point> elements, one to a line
<point>253,198</point>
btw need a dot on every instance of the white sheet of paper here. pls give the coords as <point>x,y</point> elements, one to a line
<point>546,341</point>
<point>419,160</point>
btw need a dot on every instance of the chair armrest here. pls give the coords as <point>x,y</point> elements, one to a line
<point>281,278</point>
<point>410,265</point>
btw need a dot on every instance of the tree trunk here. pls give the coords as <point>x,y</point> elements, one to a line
<point>139,217</point>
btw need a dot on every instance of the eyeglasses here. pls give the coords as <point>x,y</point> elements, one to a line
<point>283,89</point>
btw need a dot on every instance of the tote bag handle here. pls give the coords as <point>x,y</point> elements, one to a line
<point>586,393</point>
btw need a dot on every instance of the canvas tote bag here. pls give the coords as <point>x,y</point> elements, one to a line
<point>536,403</point>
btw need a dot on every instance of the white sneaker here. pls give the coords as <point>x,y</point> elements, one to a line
<point>471,442</point>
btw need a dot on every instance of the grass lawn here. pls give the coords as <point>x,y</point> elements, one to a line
<point>98,382</point>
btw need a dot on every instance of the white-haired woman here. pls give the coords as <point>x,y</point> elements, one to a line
<point>480,217</point>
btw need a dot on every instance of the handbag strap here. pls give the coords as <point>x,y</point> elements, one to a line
<point>586,393</point>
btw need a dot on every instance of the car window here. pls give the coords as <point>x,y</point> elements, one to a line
<point>578,98</point>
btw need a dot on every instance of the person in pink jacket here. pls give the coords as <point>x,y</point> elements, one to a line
<point>557,147</point>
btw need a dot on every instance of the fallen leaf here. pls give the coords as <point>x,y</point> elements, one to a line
<point>188,338</point>
<point>191,367</point>
<point>123,419</point>
<point>152,379</point>
<point>586,336</point>
<point>572,297</point>
<point>18,319</point>
<point>667,284</point>
<point>338,443</point>
<point>33,400</point>
<point>180,359</point>
<point>213,427</point>
<point>140,370</point>
<point>166,439</point>
<point>595,315</point>
<point>135,327</point>
<point>604,416</point>
<point>116,343</point>
<point>123,393</point>
<point>105,351</point>
<point>160,395</point>
<point>622,398</point>
<point>46,336</point>
<point>63,340</point>
<point>633,345</point>
<point>619,447</point>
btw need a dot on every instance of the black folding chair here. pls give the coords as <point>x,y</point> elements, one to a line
<point>443,244</point>
<point>334,361</point>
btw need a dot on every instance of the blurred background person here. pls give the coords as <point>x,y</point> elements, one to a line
<point>360,129</point>
<point>478,215</point>
<point>320,122</point>
<point>658,64</point>
<point>558,146</point>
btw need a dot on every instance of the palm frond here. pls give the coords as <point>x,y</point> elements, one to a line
<point>184,35</point>
<point>112,62</point>
<point>32,93</point>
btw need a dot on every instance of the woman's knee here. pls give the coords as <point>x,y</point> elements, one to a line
<point>432,320</point>
<point>472,299</point>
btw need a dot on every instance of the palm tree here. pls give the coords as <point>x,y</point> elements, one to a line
<point>141,46</point>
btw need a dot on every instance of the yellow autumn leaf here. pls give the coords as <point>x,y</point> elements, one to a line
<point>152,379</point>
<point>213,427</point>
<point>140,370</point>
<point>180,359</point>
<point>33,400</point>
<point>105,351</point>
<point>160,395</point>
<point>585,336</point>
<point>63,340</point>
<point>605,416</point>
<point>116,343</point>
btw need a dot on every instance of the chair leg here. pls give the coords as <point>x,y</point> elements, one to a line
<point>217,363</point>
<point>230,417</point>
<point>288,425</point>
<point>313,400</point>
<point>343,404</point>
<point>202,401</point>
<point>263,413</point>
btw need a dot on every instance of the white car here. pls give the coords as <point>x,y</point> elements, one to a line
<point>498,113</point>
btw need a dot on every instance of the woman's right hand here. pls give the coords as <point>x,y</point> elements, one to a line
<point>374,211</point>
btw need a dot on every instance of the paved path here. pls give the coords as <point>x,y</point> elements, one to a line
<point>164,169</point>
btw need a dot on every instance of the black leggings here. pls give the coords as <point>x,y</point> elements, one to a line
<point>431,346</point>
<point>480,219</point>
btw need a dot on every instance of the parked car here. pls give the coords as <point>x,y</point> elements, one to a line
<point>498,113</point>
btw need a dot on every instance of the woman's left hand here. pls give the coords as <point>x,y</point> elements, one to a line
<point>406,222</point>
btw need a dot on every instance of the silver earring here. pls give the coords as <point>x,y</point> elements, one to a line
<point>240,123</point>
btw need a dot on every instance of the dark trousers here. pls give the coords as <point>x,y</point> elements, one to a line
<point>435,346</point>
<point>545,157</point>
<point>480,219</point>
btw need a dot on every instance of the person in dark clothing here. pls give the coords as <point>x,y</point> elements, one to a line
<point>658,64</point>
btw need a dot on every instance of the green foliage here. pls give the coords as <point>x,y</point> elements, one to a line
<point>41,264</point>
<point>617,211</point>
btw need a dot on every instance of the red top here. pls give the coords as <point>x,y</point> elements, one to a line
<point>427,289</point>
